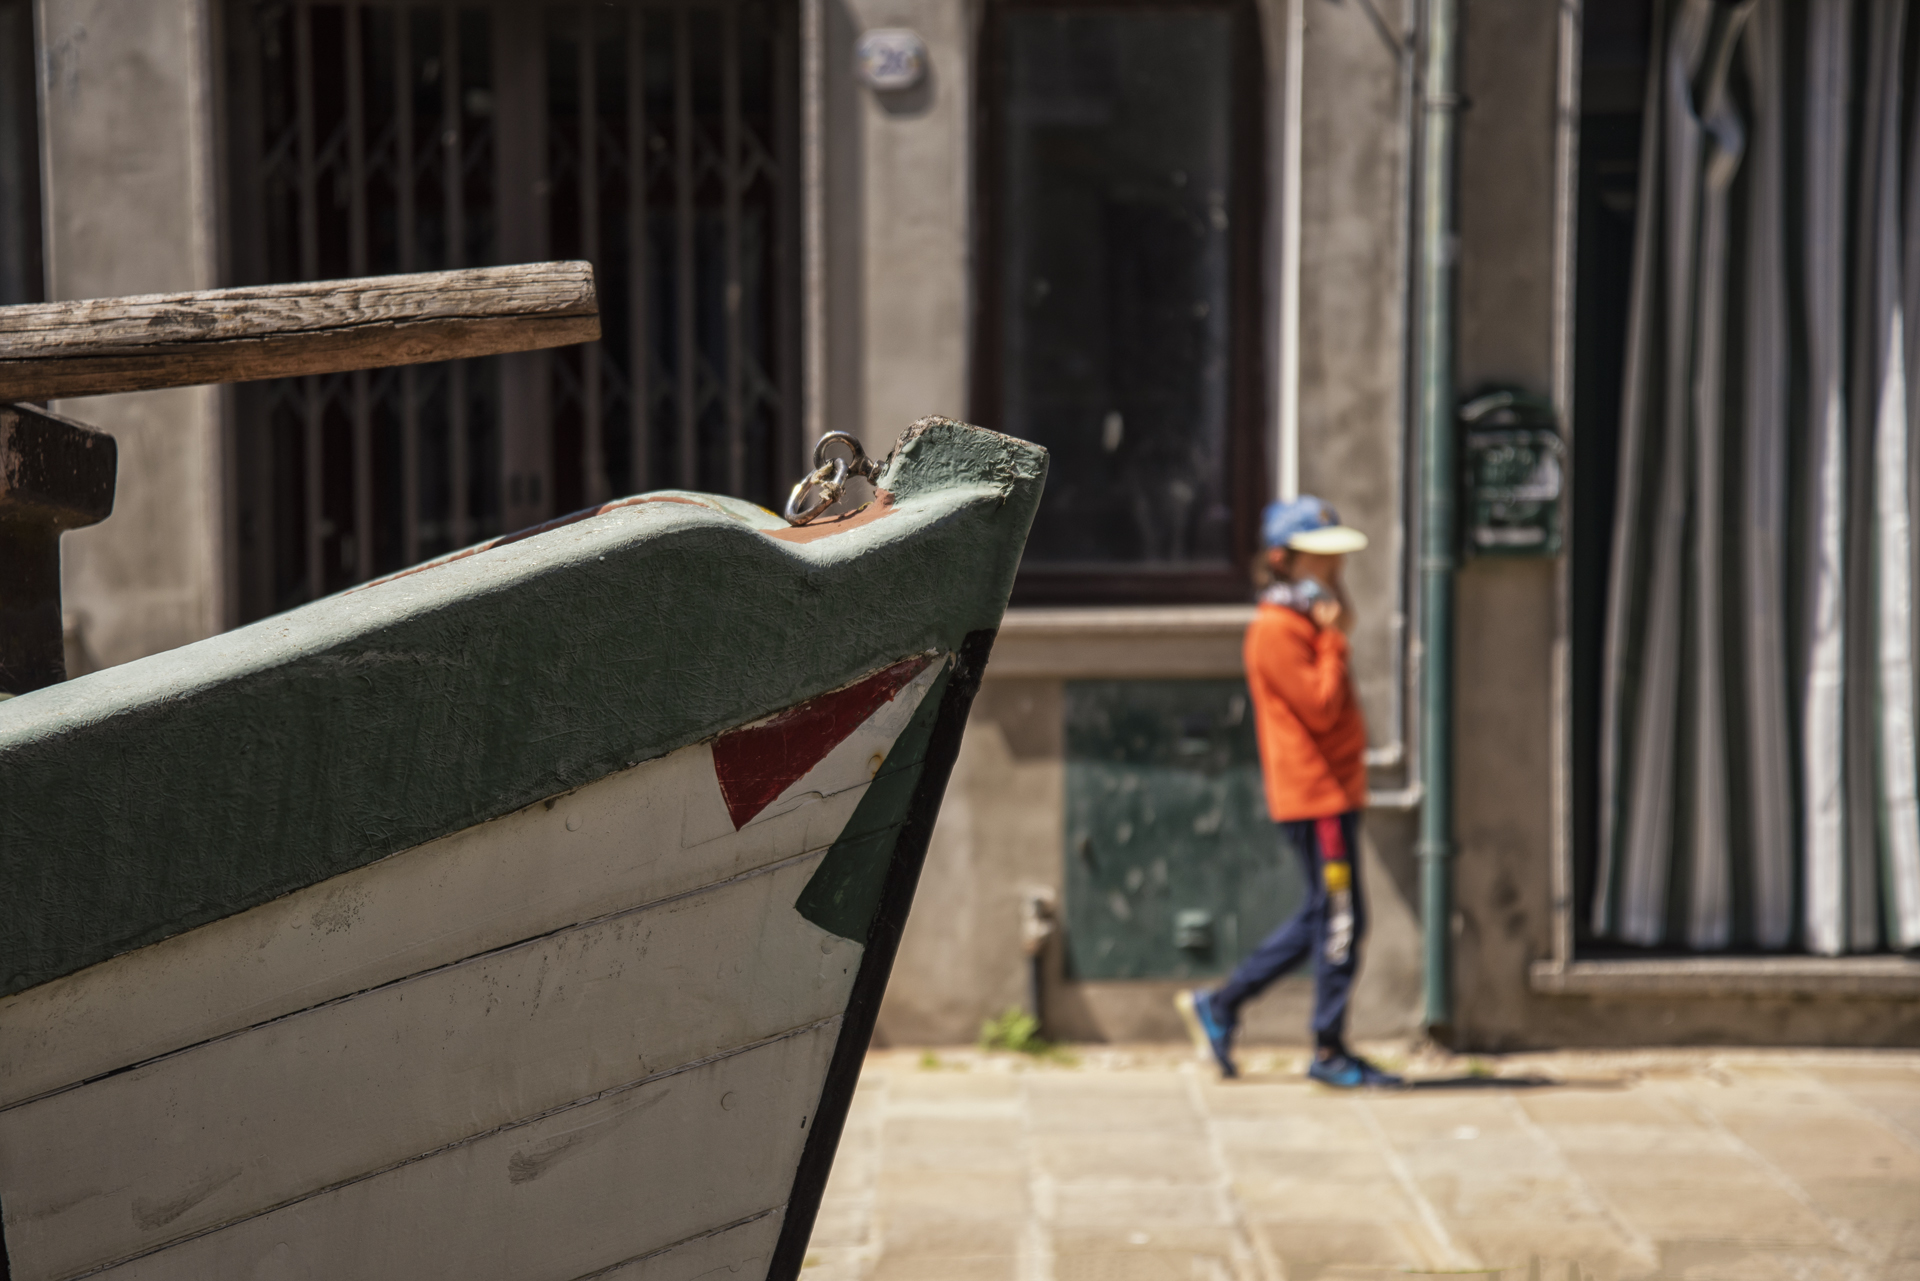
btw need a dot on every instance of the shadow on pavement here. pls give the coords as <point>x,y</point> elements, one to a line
<point>1510,1083</point>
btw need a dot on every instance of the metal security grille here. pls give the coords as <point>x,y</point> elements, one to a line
<point>654,139</point>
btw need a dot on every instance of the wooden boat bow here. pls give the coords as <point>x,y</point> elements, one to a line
<point>526,916</point>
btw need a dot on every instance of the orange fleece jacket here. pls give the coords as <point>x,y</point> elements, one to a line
<point>1313,740</point>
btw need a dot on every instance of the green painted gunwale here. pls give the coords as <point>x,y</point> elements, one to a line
<point>150,798</point>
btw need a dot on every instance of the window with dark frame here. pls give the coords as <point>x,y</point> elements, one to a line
<point>1120,289</point>
<point>655,138</point>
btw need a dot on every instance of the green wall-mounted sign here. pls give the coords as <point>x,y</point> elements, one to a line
<point>1512,456</point>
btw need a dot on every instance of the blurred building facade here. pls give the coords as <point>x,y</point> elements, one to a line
<point>1172,241</point>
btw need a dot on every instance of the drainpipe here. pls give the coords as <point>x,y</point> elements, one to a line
<point>1439,103</point>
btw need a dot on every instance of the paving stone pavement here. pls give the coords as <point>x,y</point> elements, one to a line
<point>1138,1165</point>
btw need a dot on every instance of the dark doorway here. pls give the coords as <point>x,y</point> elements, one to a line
<point>1614,49</point>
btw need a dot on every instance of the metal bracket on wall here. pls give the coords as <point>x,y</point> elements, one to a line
<point>1397,798</point>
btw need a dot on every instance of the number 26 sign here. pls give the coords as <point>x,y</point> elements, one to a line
<point>890,59</point>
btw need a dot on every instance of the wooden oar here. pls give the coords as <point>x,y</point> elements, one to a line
<point>100,345</point>
<point>57,474</point>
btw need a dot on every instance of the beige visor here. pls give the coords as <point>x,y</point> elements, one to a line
<point>1334,540</point>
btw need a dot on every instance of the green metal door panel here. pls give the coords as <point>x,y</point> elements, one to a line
<point>1173,868</point>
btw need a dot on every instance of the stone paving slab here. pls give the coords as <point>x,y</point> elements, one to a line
<point>1137,1164</point>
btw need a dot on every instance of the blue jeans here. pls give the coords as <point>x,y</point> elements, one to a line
<point>1305,935</point>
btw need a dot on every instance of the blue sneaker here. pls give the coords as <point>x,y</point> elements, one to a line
<point>1378,1078</point>
<point>1196,1011</point>
<point>1338,1070</point>
<point>1345,1070</point>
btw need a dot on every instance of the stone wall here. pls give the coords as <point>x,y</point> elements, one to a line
<point>128,138</point>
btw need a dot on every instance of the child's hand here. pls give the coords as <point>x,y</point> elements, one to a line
<point>1328,613</point>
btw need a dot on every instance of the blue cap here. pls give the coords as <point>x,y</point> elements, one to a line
<point>1306,524</point>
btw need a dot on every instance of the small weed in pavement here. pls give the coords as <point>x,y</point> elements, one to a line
<point>1019,1031</point>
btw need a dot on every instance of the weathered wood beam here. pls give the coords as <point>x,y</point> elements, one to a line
<point>102,345</point>
<point>55,475</point>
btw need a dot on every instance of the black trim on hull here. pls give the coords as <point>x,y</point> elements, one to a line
<point>883,943</point>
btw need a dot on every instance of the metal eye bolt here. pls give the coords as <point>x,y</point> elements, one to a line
<point>829,477</point>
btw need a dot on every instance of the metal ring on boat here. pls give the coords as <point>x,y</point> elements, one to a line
<point>830,479</point>
<point>858,464</point>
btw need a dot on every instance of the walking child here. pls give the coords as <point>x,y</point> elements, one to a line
<point>1312,756</point>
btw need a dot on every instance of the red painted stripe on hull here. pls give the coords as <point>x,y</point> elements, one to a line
<point>758,762</point>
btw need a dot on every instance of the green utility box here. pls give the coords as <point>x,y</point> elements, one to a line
<point>1173,869</point>
<point>1512,457</point>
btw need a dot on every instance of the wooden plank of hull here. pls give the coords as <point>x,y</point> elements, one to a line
<point>573,1194</point>
<point>231,1128</point>
<point>656,830</point>
<point>743,1250</point>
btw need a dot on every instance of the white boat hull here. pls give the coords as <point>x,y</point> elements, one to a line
<point>522,994</point>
